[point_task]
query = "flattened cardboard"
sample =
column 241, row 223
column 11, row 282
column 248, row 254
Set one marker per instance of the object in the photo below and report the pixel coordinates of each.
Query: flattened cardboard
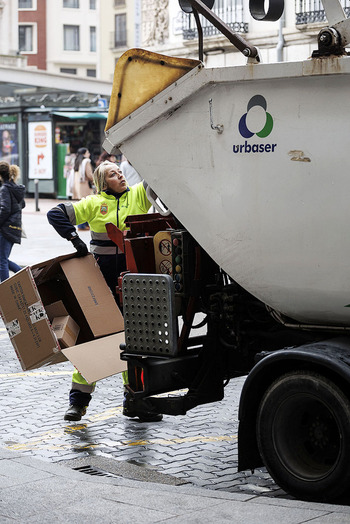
column 78, row 285
column 98, row 359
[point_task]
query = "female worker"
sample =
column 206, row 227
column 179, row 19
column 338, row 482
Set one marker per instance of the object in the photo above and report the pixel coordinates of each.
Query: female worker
column 113, row 202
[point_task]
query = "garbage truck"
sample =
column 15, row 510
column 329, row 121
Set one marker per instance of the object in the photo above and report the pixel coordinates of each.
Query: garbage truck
column 244, row 267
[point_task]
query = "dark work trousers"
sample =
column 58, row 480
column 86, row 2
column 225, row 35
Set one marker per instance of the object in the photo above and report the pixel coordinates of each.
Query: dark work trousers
column 111, row 266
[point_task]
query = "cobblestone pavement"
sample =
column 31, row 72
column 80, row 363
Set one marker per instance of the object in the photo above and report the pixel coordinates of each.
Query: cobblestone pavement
column 200, row 448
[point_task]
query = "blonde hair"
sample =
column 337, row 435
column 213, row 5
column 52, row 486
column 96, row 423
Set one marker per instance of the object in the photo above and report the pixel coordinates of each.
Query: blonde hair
column 9, row 172
column 14, row 172
column 100, row 175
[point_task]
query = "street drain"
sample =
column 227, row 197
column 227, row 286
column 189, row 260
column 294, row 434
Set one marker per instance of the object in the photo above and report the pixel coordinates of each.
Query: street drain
column 90, row 470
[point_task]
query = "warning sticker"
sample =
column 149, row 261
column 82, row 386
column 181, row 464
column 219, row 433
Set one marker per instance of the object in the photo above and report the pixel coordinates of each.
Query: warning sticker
column 166, row 267
column 13, row 328
column 36, row 312
column 165, row 247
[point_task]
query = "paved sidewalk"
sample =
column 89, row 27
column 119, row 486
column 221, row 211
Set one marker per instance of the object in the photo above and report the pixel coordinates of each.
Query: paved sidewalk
column 42, row 242
column 32, row 491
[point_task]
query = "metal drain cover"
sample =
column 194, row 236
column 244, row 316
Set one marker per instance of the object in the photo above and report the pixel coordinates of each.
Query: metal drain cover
column 95, row 472
column 149, row 315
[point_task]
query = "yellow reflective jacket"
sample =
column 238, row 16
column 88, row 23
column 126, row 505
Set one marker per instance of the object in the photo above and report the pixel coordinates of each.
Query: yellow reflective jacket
column 98, row 210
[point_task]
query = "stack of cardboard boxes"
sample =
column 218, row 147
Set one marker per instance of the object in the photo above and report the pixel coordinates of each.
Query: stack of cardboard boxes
column 63, row 309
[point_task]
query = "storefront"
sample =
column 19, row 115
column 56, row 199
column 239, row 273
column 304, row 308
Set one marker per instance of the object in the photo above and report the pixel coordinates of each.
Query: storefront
column 51, row 137
column 45, row 118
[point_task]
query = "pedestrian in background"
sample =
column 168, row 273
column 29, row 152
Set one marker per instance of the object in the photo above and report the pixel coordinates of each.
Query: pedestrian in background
column 82, row 174
column 83, row 179
column 106, row 156
column 68, row 173
column 11, row 205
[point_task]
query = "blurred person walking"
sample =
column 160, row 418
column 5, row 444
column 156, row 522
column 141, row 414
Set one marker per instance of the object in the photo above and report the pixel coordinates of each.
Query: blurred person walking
column 106, row 156
column 82, row 174
column 83, row 178
column 11, row 205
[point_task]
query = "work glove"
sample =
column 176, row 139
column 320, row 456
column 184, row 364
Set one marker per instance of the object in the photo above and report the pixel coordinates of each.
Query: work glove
column 80, row 246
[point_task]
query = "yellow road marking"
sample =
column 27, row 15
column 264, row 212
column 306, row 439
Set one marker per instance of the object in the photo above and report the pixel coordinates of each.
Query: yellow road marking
column 40, row 443
column 43, row 441
column 34, row 374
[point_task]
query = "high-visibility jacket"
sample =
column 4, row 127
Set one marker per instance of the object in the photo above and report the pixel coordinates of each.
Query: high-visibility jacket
column 98, row 210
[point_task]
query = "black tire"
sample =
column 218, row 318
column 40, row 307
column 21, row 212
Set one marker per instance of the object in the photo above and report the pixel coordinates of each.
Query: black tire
column 303, row 434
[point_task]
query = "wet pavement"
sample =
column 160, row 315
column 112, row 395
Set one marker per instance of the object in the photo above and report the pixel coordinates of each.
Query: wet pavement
column 199, row 448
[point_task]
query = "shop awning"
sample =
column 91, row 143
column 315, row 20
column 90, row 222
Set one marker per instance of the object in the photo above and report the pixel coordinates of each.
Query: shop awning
column 77, row 115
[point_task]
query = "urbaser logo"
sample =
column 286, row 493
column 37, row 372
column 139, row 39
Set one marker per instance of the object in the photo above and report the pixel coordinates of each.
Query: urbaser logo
column 267, row 126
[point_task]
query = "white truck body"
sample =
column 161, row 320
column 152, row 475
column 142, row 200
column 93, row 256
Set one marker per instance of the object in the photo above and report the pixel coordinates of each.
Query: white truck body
column 273, row 211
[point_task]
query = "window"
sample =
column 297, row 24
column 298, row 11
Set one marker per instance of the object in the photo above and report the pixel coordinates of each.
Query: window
column 120, row 30
column 25, row 4
column 232, row 12
column 119, row 3
column 68, row 70
column 92, row 38
column 71, row 3
column 91, row 72
column 71, row 38
column 312, row 11
column 92, row 4
column 25, row 38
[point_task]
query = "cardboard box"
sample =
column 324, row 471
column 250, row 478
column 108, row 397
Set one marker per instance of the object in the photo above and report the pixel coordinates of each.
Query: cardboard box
column 66, row 285
column 66, row 331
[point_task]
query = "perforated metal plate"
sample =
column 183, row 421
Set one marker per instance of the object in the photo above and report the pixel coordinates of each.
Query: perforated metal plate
column 149, row 315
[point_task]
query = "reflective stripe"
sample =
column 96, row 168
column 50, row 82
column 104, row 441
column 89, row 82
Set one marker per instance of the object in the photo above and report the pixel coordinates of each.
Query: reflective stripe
column 101, row 244
column 83, row 388
column 79, row 383
column 70, row 212
column 103, row 250
column 99, row 236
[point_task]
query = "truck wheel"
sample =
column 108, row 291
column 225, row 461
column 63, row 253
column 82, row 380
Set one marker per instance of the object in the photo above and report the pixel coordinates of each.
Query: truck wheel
column 303, row 434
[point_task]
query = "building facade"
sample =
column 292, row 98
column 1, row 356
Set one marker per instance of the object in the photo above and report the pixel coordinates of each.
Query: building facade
column 73, row 26
column 60, row 36
column 80, row 41
column 85, row 38
column 161, row 26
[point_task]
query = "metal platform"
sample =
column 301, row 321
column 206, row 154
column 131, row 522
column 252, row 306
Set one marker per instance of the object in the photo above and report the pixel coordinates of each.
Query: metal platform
column 149, row 315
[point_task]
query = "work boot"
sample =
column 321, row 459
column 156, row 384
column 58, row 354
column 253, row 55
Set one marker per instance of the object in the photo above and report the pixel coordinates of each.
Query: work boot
column 141, row 411
column 74, row 412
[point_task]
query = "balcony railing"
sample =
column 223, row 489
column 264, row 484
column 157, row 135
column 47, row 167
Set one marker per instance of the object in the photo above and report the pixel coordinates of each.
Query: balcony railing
column 116, row 42
column 311, row 11
column 13, row 60
column 229, row 11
